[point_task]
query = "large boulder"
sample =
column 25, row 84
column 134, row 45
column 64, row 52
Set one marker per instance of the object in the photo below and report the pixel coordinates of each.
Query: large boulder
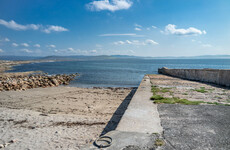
column 55, row 82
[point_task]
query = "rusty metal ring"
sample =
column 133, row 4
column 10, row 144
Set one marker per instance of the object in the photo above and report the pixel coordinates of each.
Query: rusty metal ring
column 106, row 139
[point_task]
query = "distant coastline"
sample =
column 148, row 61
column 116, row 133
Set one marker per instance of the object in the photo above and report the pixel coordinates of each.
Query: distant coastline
column 6, row 65
column 102, row 57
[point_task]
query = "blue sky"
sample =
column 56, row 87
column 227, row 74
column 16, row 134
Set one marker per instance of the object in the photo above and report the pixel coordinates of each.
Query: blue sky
column 111, row 27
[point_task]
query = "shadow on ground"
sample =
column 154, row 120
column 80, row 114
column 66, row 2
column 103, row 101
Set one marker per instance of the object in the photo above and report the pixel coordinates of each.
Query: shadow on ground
column 115, row 119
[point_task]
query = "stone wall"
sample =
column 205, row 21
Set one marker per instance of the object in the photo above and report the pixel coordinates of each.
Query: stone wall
column 216, row 76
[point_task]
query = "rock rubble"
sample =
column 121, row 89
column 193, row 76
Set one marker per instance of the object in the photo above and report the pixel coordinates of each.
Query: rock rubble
column 23, row 82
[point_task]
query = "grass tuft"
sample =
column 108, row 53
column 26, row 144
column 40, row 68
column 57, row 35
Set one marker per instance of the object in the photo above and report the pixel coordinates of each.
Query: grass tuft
column 157, row 97
column 215, row 103
column 176, row 100
column 201, row 90
column 159, row 142
column 156, row 89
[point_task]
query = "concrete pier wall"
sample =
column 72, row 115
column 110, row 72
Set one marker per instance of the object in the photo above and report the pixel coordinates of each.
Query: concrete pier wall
column 216, row 76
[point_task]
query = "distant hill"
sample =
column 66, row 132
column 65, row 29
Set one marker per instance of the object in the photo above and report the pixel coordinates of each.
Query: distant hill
column 197, row 57
column 18, row 58
column 214, row 56
column 104, row 57
column 80, row 57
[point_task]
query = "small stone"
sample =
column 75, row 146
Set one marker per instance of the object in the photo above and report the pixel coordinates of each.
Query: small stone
column 1, row 146
column 31, row 127
column 6, row 144
column 43, row 114
column 12, row 141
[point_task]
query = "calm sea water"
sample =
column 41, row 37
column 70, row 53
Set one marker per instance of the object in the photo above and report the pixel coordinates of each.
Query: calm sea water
column 118, row 72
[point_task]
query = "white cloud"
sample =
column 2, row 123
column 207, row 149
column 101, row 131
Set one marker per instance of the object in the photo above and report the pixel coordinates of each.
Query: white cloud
column 131, row 51
column 6, row 40
column 83, row 52
column 151, row 42
column 78, row 51
column 128, row 42
column 71, row 49
column 136, row 42
column 206, row 45
column 119, row 43
column 1, row 50
column 13, row 25
column 26, row 50
column 25, row 44
column 149, row 28
column 51, row 46
column 47, row 29
column 171, row 29
column 15, row 44
column 53, row 28
column 37, row 45
column 137, row 25
column 123, row 34
column 137, row 29
column 93, row 51
column 111, row 5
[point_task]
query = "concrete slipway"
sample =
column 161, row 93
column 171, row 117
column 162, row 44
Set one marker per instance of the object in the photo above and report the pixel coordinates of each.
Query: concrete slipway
column 140, row 125
column 186, row 127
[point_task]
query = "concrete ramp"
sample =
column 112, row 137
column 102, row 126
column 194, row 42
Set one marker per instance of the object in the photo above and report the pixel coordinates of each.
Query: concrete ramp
column 140, row 125
column 141, row 115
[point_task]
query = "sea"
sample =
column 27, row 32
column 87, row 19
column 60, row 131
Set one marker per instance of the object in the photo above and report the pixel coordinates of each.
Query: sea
column 117, row 72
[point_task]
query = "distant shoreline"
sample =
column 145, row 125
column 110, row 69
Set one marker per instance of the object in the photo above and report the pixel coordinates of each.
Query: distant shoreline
column 7, row 65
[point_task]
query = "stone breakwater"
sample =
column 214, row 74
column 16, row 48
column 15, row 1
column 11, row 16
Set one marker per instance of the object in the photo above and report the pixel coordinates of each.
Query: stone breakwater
column 23, row 82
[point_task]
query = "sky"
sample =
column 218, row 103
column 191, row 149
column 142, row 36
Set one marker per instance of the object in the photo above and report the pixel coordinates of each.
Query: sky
column 115, row 27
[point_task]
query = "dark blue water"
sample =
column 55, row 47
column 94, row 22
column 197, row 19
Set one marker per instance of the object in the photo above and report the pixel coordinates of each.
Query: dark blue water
column 118, row 72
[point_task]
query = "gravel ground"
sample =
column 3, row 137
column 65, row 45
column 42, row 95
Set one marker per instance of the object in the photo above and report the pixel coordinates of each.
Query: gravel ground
column 56, row 118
